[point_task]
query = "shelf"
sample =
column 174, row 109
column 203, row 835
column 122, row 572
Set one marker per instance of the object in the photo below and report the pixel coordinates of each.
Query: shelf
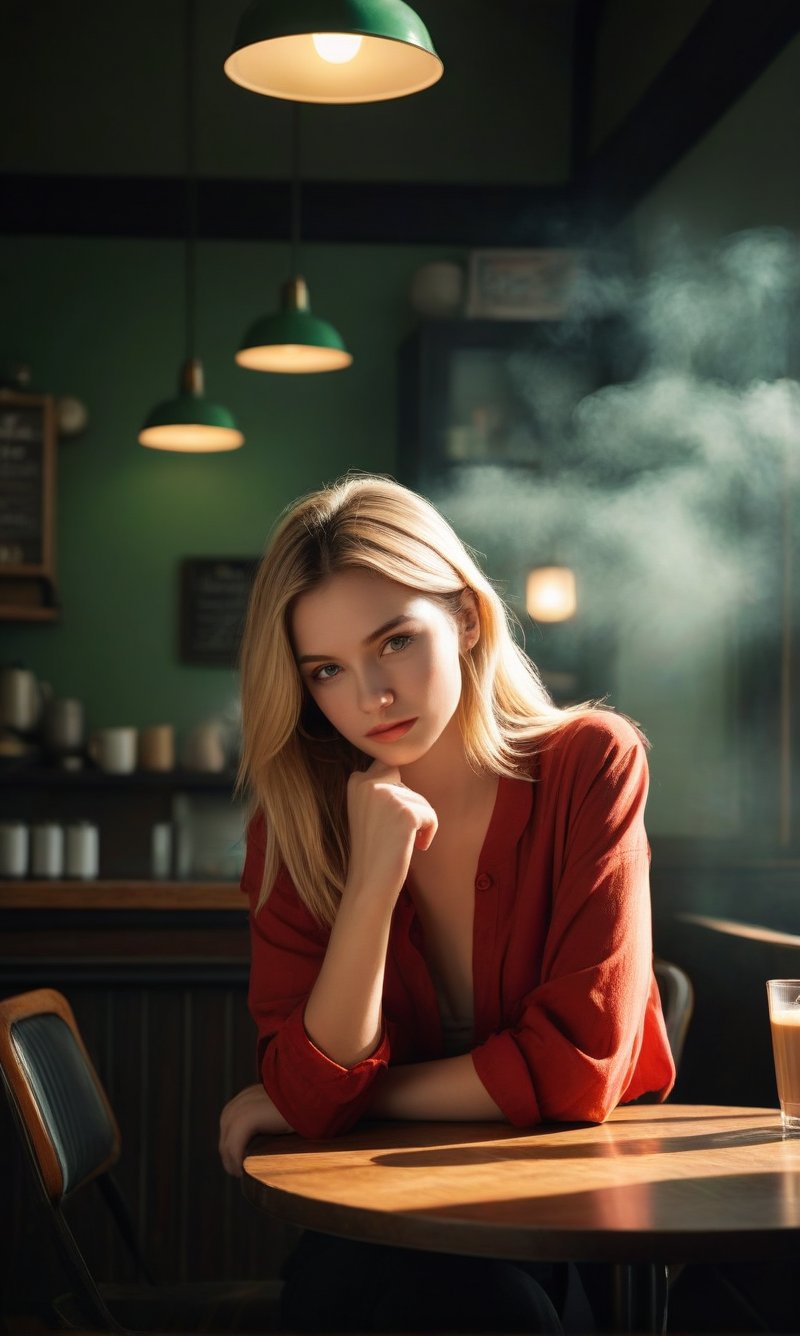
column 13, row 613
column 16, row 774
column 122, row 895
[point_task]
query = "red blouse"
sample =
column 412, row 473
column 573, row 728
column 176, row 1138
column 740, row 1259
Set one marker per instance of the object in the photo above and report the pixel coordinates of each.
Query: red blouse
column 567, row 1019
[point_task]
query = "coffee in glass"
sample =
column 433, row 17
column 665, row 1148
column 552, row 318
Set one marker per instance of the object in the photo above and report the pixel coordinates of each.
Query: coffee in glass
column 784, row 1016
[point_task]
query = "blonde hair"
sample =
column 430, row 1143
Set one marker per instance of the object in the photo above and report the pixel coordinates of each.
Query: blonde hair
column 294, row 765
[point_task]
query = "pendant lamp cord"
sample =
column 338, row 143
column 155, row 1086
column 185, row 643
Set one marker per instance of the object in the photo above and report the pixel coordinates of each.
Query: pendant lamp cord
column 295, row 233
column 191, row 180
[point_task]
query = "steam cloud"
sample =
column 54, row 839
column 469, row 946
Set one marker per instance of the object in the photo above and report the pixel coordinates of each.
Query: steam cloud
column 663, row 488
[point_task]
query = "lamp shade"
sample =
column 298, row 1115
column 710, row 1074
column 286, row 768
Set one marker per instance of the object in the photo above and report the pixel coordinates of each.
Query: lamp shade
column 550, row 594
column 298, row 50
column 190, row 422
column 293, row 340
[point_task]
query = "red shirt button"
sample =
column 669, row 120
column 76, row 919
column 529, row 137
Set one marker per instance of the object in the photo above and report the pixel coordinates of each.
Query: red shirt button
column 483, row 882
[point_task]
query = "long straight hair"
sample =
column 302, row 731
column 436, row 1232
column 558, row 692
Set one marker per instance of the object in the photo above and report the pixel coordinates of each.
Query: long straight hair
column 294, row 765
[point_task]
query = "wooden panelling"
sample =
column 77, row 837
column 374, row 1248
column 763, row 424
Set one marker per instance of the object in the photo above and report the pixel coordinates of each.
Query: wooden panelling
column 166, row 1023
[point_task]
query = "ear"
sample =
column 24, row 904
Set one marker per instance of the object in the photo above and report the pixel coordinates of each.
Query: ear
column 469, row 624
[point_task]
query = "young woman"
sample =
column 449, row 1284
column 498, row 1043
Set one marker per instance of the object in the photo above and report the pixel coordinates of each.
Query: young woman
column 448, row 875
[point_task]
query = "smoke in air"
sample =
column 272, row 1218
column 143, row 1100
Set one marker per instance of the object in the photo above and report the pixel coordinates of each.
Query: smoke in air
column 662, row 487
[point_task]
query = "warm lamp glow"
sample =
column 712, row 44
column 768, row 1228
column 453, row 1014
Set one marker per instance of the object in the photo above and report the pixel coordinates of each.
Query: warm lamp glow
column 331, row 51
column 337, row 47
column 293, row 358
column 190, row 422
column 190, row 437
column 550, row 595
column 292, row 340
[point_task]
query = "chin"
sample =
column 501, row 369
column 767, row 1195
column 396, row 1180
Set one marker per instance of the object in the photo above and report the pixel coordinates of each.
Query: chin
column 403, row 752
column 396, row 754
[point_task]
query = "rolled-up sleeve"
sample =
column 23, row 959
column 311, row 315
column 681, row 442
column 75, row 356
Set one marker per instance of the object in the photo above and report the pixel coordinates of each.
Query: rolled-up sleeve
column 316, row 1096
column 590, row 1034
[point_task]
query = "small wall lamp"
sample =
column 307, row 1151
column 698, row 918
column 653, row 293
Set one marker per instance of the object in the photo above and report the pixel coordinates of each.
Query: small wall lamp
column 550, row 594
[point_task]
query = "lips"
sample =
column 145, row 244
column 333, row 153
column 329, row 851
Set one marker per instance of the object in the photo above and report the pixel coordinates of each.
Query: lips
column 390, row 732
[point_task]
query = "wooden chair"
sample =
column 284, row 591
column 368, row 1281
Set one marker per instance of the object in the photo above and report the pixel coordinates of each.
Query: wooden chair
column 677, row 1003
column 69, row 1137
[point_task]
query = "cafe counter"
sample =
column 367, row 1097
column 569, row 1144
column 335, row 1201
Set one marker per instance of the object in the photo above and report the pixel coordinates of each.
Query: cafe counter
column 121, row 895
column 156, row 973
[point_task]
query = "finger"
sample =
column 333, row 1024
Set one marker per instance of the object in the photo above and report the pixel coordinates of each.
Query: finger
column 426, row 834
column 233, row 1155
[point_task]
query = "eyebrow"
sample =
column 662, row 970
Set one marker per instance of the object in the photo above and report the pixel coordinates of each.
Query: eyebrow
column 368, row 640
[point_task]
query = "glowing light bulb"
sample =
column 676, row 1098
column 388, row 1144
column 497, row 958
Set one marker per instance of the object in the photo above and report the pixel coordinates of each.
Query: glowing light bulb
column 551, row 594
column 336, row 47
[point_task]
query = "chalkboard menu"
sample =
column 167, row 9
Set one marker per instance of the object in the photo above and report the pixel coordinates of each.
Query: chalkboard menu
column 214, row 596
column 27, row 484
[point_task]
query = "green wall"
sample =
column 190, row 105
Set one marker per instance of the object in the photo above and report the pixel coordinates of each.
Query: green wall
column 102, row 320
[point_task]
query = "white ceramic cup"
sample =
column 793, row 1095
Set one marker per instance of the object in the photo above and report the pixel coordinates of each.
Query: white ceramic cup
column 47, row 851
column 20, row 699
column 82, row 860
column 14, row 849
column 114, row 750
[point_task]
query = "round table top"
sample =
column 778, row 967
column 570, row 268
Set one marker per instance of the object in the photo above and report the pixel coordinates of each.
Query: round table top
column 659, row 1183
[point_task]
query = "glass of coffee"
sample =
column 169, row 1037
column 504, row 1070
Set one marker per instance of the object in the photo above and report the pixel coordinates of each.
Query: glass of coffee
column 784, row 1018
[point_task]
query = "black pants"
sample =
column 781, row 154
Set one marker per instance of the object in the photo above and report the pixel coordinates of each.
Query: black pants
column 338, row 1285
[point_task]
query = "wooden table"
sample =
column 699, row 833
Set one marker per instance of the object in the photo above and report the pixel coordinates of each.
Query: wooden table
column 656, row 1184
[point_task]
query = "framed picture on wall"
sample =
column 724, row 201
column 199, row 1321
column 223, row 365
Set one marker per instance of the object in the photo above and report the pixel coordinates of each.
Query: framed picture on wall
column 520, row 284
column 215, row 592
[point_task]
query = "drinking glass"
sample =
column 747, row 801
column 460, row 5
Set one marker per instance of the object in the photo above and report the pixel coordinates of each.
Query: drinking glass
column 784, row 1017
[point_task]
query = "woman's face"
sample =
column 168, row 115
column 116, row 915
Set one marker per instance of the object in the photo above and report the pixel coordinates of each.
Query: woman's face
column 381, row 661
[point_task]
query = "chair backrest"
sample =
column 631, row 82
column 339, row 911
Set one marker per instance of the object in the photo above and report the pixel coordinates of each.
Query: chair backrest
column 71, row 1129
column 677, row 1003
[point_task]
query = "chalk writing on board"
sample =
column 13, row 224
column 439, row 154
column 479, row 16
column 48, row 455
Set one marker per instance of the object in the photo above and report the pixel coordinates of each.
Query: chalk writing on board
column 214, row 596
column 25, row 480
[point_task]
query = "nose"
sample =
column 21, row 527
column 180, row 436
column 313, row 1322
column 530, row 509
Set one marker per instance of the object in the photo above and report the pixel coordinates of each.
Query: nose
column 374, row 695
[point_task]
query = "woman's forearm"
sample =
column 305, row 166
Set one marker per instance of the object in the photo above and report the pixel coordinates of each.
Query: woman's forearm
column 343, row 1014
column 449, row 1088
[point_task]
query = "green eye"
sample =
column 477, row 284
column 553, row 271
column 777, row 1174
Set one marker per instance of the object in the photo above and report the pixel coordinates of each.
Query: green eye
column 398, row 643
column 325, row 672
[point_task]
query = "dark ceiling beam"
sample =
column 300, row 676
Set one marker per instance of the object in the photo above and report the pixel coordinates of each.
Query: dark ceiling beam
column 729, row 47
column 368, row 213
column 586, row 22
column 725, row 52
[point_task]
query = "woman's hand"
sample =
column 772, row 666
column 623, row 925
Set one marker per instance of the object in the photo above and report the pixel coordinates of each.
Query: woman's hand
column 246, row 1115
column 387, row 822
column 343, row 1015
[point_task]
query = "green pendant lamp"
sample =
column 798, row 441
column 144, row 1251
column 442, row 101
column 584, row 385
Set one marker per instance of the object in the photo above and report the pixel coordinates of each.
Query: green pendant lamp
column 292, row 340
column 332, row 50
column 190, row 422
